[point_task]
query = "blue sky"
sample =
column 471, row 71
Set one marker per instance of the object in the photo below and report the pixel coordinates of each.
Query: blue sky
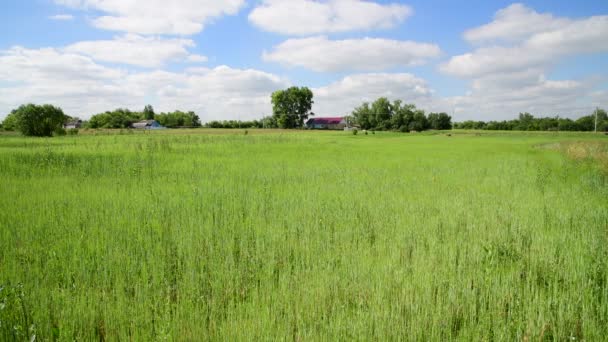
column 222, row 59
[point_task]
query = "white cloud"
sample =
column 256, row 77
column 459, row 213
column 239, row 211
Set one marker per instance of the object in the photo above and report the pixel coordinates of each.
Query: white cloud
column 62, row 17
column 82, row 87
column 135, row 50
column 177, row 17
column 367, row 54
column 341, row 97
column 515, row 51
column 541, row 45
column 303, row 17
column 514, row 23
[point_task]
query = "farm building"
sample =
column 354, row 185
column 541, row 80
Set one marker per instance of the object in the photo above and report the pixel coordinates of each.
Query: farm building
column 147, row 124
column 326, row 123
column 73, row 124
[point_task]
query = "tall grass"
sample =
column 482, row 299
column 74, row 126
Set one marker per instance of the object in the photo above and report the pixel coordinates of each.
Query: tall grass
column 322, row 236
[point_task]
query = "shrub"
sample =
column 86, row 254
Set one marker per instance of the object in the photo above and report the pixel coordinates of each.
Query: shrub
column 59, row 131
column 355, row 131
column 73, row 131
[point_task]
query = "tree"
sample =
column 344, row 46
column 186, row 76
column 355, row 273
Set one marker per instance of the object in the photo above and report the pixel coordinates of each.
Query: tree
column 403, row 115
column 10, row 122
column 148, row 112
column 178, row 119
column 439, row 121
column 291, row 107
column 419, row 122
column 39, row 121
column 362, row 115
column 382, row 111
column 119, row 118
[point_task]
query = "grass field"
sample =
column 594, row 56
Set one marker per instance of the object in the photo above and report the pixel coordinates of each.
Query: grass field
column 218, row 235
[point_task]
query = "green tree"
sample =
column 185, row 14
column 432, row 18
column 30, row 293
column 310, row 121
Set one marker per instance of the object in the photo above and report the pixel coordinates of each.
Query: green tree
column 119, row 118
column 39, row 121
column 362, row 115
column 439, row 121
column 148, row 112
column 10, row 122
column 291, row 107
column 403, row 115
column 382, row 112
column 419, row 122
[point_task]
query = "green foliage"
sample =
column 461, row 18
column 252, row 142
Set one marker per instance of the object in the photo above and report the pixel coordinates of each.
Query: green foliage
column 35, row 120
column 73, row 131
column 234, row 124
column 148, row 113
column 10, row 122
column 383, row 115
column 317, row 236
column 291, row 107
column 527, row 122
column 178, row 119
column 119, row 118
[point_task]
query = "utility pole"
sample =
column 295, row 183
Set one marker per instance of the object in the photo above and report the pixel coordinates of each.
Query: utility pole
column 596, row 109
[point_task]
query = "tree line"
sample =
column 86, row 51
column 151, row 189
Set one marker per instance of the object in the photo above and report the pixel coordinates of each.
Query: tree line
column 527, row 122
column 48, row 120
column 124, row 118
column 383, row 115
column 290, row 109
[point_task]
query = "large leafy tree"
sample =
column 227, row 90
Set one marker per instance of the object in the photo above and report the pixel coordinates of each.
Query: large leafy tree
column 178, row 119
column 39, row 121
column 439, row 121
column 291, row 107
column 119, row 118
column 148, row 112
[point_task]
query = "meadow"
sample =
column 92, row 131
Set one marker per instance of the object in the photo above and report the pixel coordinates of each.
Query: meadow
column 221, row 235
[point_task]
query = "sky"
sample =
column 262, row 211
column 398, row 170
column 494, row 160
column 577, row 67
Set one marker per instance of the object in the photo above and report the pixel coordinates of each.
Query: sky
column 476, row 60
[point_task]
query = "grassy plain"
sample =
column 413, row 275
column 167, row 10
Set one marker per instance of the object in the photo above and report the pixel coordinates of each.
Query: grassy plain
column 217, row 235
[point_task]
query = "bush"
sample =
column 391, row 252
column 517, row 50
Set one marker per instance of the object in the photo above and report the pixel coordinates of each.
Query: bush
column 73, row 131
column 39, row 121
column 59, row 131
column 355, row 131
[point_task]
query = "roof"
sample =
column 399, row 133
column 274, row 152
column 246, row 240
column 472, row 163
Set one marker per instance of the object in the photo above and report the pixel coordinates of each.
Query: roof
column 326, row 121
column 146, row 122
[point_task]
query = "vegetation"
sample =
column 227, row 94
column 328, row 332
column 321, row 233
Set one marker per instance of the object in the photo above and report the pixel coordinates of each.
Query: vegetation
column 235, row 124
column 124, row 118
column 184, row 235
column 34, row 120
column 382, row 115
column 527, row 122
column 291, row 107
column 178, row 119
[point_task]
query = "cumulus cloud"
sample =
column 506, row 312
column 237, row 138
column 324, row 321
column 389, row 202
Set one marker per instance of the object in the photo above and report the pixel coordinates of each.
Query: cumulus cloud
column 514, row 23
column 537, row 46
column 304, row 17
column 367, row 54
column 176, row 17
column 512, row 57
column 341, row 97
column 82, row 87
column 135, row 50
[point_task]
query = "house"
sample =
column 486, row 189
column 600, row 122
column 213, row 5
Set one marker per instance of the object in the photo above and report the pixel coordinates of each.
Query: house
column 74, row 124
column 147, row 124
column 326, row 123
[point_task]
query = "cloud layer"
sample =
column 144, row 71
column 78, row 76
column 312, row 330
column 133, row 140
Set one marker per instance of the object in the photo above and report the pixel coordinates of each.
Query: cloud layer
column 137, row 50
column 306, row 17
column 368, row 54
column 175, row 17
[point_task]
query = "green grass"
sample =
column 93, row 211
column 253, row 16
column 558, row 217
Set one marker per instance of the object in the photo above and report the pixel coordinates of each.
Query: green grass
column 194, row 235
